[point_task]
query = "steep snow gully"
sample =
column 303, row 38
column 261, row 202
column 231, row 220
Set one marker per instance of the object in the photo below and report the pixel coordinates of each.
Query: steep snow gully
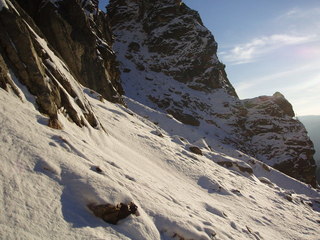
column 131, row 158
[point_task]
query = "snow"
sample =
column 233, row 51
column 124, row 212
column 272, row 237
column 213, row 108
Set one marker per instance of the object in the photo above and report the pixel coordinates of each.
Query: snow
column 47, row 177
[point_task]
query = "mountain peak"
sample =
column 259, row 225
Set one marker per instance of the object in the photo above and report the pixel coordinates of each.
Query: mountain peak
column 178, row 44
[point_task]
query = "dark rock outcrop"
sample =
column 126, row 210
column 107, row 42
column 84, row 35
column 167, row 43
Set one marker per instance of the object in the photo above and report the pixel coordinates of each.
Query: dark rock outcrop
column 195, row 150
column 80, row 33
column 29, row 58
column 113, row 213
column 172, row 29
column 278, row 139
column 51, row 48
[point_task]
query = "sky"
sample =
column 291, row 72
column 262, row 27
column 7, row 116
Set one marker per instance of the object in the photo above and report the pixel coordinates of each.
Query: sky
column 268, row 46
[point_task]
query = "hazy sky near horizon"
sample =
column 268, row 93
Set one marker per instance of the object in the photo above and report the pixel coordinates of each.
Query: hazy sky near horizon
column 268, row 46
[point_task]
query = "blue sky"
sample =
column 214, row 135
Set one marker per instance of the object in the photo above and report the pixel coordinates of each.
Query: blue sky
column 268, row 46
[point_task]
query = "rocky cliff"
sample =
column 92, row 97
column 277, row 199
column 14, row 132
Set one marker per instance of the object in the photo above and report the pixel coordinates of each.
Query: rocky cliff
column 278, row 139
column 52, row 47
column 80, row 33
column 168, row 61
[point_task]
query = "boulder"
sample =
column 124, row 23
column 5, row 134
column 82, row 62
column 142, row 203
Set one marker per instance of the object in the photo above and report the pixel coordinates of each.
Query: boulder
column 113, row 213
column 195, row 150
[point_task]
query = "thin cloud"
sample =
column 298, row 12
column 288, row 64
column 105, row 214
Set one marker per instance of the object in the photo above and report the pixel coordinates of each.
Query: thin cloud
column 249, row 84
column 251, row 51
column 297, row 13
column 304, row 96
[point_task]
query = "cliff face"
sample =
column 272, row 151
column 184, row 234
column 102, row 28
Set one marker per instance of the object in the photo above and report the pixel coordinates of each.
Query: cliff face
column 80, row 33
column 168, row 61
column 178, row 43
column 51, row 47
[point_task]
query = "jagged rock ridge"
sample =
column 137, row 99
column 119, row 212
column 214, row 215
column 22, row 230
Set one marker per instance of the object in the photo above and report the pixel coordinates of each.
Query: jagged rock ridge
column 178, row 43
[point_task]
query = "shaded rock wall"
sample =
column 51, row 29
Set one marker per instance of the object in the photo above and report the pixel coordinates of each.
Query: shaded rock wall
column 80, row 33
column 27, row 57
column 49, row 46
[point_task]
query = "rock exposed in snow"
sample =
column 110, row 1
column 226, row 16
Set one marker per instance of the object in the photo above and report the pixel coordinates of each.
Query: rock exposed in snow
column 113, row 213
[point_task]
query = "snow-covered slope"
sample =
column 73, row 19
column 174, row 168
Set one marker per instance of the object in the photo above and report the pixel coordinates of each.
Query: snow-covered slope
column 49, row 176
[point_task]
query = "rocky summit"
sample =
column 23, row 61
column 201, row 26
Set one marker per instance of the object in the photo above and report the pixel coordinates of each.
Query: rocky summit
column 128, row 118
